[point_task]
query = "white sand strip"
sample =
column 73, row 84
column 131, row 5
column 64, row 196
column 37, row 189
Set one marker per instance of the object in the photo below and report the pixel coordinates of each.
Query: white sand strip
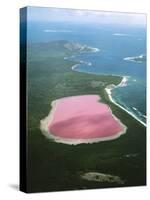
column 108, row 90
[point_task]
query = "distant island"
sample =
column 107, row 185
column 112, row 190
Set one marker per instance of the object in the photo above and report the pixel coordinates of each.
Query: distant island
column 72, row 46
column 66, row 46
column 141, row 58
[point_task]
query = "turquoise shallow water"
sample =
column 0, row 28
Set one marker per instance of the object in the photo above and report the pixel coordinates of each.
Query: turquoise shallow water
column 131, row 41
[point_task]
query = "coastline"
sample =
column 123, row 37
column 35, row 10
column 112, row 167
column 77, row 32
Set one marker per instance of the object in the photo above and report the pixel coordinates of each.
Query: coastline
column 111, row 87
column 108, row 90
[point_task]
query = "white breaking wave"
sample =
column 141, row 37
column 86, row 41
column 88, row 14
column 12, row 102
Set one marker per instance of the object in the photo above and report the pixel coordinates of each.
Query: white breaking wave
column 134, row 108
column 75, row 66
column 139, row 113
column 123, row 82
column 56, row 31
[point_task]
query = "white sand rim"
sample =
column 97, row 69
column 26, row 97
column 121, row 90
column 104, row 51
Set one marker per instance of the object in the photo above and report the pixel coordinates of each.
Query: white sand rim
column 44, row 123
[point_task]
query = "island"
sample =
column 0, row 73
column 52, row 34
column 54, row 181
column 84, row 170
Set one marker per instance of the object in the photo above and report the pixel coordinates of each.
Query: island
column 139, row 59
column 60, row 166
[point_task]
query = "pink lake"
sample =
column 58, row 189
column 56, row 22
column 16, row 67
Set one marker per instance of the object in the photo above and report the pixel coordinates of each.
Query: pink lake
column 83, row 117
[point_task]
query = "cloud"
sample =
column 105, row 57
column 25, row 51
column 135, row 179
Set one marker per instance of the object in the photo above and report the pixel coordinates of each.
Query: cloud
column 85, row 16
column 57, row 31
column 121, row 34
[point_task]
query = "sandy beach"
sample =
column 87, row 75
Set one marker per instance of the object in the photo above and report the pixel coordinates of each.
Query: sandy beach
column 109, row 88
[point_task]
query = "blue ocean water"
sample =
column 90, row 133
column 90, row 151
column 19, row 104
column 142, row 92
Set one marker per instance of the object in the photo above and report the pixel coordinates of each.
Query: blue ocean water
column 115, row 42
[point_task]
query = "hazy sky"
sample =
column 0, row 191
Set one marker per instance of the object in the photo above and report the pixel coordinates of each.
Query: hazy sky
column 85, row 16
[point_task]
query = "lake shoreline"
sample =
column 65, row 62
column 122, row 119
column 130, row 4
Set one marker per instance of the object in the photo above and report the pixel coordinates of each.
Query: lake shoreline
column 44, row 124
